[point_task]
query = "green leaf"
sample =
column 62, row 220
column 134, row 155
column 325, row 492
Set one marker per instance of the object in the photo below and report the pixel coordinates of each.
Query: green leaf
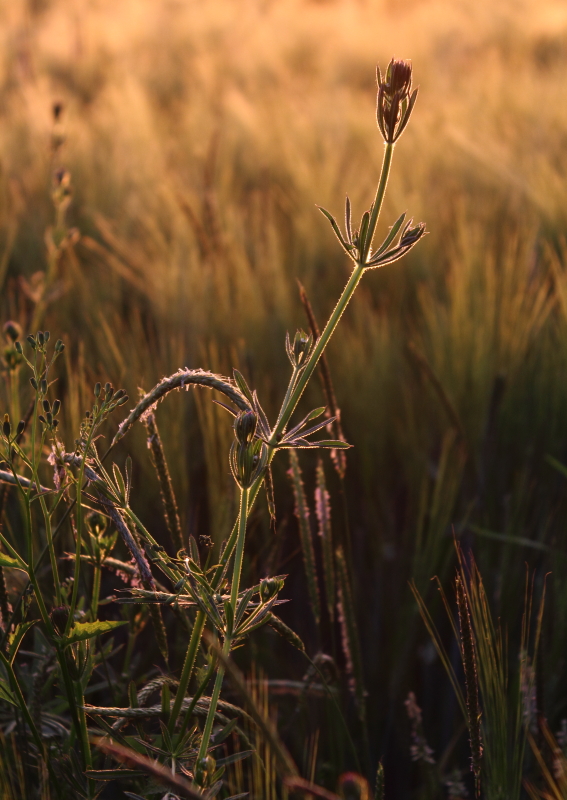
column 346, row 246
column 87, row 630
column 6, row 694
column 17, row 637
column 8, row 561
column 243, row 386
column 232, row 759
column 391, row 236
column 332, row 443
column 315, row 413
column 557, row 465
column 113, row 774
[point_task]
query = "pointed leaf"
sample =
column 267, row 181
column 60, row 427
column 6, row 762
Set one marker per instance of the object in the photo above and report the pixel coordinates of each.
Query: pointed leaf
column 112, row 774
column 232, row 759
column 346, row 246
column 87, row 630
column 17, row 637
column 363, row 230
column 331, row 443
column 128, row 472
column 8, row 561
column 391, row 235
column 348, row 226
column 6, row 693
column 119, row 482
column 242, row 385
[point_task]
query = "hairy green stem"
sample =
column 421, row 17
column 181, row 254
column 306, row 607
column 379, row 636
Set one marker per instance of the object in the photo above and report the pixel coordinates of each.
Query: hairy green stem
column 187, row 670
column 209, row 722
column 235, row 586
column 378, row 200
column 239, row 555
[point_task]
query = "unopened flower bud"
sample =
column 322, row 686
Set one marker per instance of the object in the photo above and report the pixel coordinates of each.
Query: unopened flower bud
column 59, row 616
column 395, row 100
column 245, row 426
column 412, row 235
column 301, row 344
column 204, row 770
column 21, row 427
column 12, row 330
column 6, row 426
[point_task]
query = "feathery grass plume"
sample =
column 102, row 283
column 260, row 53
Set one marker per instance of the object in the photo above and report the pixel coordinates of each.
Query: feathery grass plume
column 323, row 514
column 159, row 460
column 338, row 456
column 379, row 784
column 286, row 632
column 468, row 653
column 420, row 749
column 349, row 633
column 302, row 514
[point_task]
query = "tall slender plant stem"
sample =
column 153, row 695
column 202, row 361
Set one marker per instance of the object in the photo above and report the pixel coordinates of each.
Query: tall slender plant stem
column 242, row 519
column 187, row 670
column 293, row 395
column 235, row 586
column 344, row 299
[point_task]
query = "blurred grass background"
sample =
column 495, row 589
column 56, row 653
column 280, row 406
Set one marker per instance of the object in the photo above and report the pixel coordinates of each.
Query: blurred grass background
column 199, row 137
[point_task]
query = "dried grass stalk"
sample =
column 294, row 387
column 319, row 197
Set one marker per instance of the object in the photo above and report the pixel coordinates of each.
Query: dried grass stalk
column 349, row 633
column 302, row 514
column 323, row 513
column 471, row 680
column 171, row 512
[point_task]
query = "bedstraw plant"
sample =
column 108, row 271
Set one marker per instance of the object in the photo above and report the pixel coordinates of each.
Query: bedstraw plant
column 73, row 748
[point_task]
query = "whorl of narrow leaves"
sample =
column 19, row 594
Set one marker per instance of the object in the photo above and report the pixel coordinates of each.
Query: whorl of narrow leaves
column 323, row 513
column 471, row 680
column 349, row 633
column 338, row 456
column 302, row 514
